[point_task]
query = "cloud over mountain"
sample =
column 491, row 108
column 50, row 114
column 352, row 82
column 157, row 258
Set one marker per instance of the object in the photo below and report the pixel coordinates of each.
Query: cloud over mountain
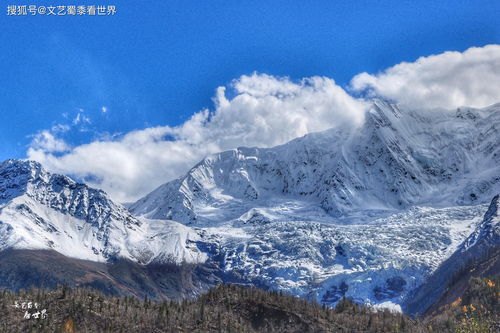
column 264, row 110
column 447, row 80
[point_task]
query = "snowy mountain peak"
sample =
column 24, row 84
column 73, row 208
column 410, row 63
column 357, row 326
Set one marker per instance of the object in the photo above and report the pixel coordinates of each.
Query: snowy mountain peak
column 365, row 213
column 58, row 192
column 384, row 113
column 397, row 159
column 16, row 175
column 42, row 210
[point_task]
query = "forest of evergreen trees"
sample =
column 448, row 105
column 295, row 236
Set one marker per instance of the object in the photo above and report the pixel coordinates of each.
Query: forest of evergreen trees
column 236, row 309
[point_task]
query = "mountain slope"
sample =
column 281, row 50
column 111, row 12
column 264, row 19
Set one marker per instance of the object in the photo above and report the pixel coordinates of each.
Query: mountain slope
column 26, row 269
column 235, row 309
column 223, row 309
column 477, row 256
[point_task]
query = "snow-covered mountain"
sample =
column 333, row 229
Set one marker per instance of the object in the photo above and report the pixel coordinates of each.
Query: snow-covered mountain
column 40, row 210
column 366, row 212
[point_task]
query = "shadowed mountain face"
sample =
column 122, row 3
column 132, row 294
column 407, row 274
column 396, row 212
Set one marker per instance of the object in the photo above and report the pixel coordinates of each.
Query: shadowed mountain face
column 486, row 267
column 23, row 269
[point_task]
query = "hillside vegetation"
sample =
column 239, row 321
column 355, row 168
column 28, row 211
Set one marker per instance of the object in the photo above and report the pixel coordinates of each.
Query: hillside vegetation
column 231, row 308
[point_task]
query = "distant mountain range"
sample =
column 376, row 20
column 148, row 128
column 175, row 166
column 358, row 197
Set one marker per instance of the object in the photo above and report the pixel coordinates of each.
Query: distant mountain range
column 382, row 214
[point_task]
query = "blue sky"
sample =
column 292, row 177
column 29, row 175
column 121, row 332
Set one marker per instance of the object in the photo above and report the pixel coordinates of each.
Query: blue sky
column 156, row 63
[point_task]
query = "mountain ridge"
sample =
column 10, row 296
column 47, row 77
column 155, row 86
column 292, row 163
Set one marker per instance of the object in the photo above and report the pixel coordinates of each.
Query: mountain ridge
column 393, row 161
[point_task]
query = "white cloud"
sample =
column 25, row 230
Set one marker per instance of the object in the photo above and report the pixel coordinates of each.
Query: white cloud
column 81, row 118
column 60, row 128
column 47, row 142
column 447, row 80
column 265, row 111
